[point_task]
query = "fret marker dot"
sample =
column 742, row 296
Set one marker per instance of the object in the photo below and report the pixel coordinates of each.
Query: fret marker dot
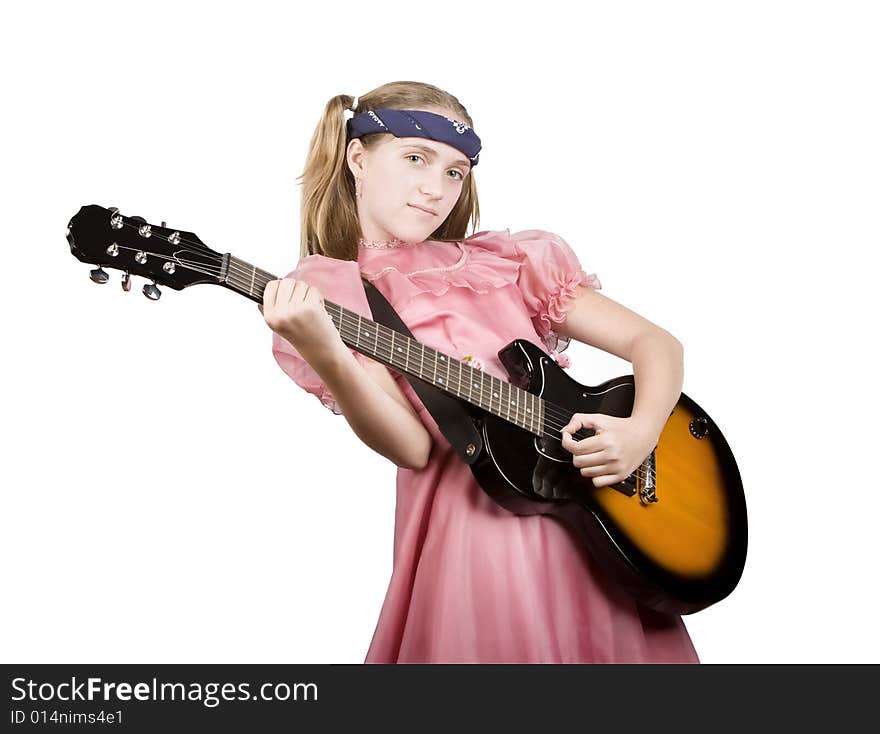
column 495, row 394
column 442, row 358
column 439, row 379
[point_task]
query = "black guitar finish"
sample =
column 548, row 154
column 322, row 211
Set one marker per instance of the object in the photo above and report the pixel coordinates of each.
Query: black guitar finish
column 528, row 474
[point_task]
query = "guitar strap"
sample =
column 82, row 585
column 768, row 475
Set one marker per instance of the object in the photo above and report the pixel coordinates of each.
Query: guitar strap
column 450, row 415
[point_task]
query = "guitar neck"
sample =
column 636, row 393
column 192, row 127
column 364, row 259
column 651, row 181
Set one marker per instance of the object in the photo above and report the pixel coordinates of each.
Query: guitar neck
column 406, row 355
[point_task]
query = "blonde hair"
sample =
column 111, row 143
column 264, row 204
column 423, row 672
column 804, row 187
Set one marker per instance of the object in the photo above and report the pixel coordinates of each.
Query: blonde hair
column 329, row 220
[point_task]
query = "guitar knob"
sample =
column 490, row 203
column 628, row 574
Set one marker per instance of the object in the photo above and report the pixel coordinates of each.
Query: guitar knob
column 126, row 281
column 151, row 291
column 99, row 275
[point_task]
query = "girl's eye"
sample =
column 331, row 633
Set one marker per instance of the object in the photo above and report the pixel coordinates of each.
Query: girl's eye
column 460, row 174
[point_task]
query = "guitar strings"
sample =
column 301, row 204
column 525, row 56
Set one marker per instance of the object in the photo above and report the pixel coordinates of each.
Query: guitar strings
column 552, row 410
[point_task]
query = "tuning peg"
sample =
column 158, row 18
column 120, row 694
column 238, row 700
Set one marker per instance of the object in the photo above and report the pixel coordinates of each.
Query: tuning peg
column 126, row 281
column 99, row 275
column 151, row 291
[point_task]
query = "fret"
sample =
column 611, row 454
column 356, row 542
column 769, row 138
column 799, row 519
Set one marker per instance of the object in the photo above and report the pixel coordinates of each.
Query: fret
column 346, row 330
column 356, row 325
column 357, row 335
column 476, row 379
column 335, row 312
column 336, row 318
column 439, row 359
column 384, row 345
column 422, row 361
column 257, row 282
column 355, row 328
column 233, row 274
column 400, row 348
column 378, row 340
column 397, row 349
column 514, row 404
column 342, row 328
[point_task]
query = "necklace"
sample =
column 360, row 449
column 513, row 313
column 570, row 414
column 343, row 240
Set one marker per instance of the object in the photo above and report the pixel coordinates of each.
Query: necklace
column 384, row 244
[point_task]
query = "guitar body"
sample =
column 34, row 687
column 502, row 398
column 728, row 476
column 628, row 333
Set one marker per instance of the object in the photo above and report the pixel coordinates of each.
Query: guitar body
column 679, row 553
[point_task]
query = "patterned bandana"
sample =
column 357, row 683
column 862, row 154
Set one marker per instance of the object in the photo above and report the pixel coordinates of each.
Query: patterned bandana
column 417, row 124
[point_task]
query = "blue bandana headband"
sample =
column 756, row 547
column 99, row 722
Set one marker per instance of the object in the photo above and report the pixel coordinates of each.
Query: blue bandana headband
column 417, row 124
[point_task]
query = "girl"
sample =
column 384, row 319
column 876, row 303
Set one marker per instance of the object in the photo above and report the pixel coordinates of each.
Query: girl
column 388, row 192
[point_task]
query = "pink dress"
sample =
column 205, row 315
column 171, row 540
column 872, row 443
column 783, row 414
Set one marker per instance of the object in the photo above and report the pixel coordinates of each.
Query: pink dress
column 472, row 582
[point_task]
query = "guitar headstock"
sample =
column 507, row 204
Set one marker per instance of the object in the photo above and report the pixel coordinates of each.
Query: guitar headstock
column 106, row 238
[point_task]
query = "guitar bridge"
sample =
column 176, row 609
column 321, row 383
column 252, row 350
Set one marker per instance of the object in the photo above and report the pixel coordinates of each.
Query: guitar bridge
column 647, row 480
column 642, row 482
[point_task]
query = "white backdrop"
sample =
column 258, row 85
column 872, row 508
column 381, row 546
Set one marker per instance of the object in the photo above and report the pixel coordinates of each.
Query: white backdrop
column 169, row 495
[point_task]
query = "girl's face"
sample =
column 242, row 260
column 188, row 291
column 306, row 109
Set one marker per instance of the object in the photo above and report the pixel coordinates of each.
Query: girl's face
column 403, row 177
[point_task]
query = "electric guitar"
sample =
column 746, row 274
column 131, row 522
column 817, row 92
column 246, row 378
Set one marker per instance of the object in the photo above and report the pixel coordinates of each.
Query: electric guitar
column 673, row 534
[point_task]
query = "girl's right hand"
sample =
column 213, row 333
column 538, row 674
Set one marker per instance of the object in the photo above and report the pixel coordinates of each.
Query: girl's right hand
column 295, row 310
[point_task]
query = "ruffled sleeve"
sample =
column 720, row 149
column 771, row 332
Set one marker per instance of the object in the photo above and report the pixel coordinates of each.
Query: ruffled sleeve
column 548, row 277
column 339, row 282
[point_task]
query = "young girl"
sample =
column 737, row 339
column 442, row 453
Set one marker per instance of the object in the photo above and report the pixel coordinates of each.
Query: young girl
column 388, row 192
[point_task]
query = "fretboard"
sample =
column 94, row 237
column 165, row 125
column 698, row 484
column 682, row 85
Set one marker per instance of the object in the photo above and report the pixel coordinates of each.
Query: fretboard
column 406, row 355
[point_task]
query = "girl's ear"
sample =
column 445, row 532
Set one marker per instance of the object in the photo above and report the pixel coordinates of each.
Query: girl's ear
column 355, row 155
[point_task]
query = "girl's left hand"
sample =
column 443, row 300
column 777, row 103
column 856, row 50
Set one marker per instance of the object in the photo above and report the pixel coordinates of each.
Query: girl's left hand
column 619, row 446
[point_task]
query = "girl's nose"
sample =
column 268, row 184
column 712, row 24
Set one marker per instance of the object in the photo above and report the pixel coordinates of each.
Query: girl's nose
column 432, row 186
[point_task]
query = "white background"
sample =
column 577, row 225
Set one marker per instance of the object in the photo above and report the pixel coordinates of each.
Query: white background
column 169, row 495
